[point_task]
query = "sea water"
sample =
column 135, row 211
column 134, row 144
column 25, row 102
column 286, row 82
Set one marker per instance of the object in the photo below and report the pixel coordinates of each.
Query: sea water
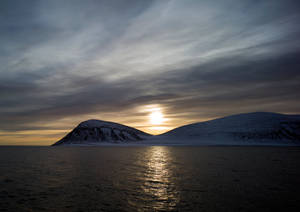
column 154, row 178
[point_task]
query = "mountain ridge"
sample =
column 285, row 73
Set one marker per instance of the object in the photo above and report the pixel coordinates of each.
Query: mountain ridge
column 255, row 127
column 261, row 126
column 97, row 131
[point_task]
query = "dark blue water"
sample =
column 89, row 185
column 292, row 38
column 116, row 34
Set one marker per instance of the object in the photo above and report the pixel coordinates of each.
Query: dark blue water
column 149, row 178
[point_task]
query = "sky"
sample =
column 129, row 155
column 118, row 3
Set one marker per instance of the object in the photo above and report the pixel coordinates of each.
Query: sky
column 153, row 65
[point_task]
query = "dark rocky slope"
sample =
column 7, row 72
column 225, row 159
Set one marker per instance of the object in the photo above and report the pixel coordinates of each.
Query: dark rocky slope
column 97, row 131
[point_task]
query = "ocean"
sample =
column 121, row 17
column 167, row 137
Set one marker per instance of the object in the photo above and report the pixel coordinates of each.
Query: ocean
column 149, row 178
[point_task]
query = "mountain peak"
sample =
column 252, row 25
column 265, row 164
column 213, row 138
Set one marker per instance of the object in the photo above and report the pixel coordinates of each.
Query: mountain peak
column 256, row 126
column 98, row 131
column 241, row 129
column 99, row 123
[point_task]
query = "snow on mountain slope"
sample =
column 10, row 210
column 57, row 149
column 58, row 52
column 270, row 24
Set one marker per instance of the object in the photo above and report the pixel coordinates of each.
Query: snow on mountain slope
column 258, row 127
column 97, row 131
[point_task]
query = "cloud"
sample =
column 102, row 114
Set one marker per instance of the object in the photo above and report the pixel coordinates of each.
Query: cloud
column 64, row 61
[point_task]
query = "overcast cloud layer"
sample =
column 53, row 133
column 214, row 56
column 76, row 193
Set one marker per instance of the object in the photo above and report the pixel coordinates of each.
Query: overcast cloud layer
column 65, row 61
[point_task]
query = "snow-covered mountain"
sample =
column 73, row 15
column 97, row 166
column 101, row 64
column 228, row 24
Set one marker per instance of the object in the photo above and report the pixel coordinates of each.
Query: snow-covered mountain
column 248, row 128
column 260, row 128
column 97, row 131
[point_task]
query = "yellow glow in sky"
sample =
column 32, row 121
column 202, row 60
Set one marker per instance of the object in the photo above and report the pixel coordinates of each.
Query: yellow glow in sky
column 152, row 118
column 156, row 118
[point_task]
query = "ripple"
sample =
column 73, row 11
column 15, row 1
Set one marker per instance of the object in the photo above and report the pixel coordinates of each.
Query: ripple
column 158, row 181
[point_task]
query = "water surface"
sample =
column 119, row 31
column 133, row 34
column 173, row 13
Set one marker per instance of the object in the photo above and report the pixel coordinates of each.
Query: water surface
column 156, row 178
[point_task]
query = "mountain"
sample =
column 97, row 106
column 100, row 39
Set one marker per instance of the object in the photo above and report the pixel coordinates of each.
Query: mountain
column 259, row 128
column 248, row 128
column 97, row 131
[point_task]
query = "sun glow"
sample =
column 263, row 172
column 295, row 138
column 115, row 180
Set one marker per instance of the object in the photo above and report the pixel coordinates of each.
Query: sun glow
column 156, row 117
column 157, row 120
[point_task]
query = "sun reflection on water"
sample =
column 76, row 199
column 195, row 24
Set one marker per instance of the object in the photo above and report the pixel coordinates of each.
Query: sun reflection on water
column 158, row 180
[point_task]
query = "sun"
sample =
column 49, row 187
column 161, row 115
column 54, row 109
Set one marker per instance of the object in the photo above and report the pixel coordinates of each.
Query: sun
column 156, row 117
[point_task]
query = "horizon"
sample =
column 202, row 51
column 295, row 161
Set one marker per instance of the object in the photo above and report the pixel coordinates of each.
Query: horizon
column 152, row 65
column 69, row 130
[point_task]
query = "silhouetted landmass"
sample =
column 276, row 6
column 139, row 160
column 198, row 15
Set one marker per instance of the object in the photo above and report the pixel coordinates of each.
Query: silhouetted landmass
column 97, row 131
column 241, row 129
